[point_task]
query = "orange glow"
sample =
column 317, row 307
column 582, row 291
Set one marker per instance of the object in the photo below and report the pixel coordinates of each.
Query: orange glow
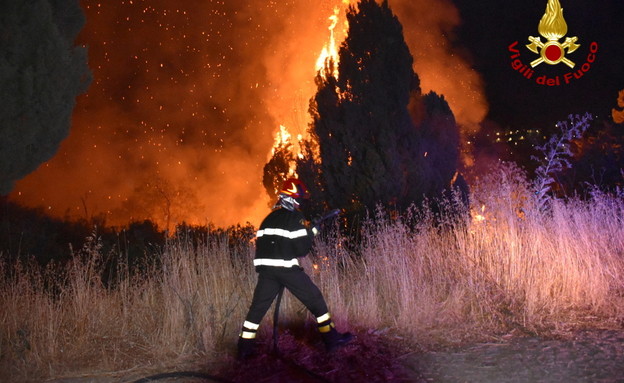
column 186, row 100
column 618, row 113
column 425, row 23
column 328, row 53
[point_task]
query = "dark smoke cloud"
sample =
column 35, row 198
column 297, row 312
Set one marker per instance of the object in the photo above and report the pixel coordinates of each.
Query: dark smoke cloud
column 187, row 97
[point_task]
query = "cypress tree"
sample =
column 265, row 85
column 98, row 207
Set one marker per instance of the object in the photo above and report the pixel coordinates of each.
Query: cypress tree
column 375, row 138
column 365, row 134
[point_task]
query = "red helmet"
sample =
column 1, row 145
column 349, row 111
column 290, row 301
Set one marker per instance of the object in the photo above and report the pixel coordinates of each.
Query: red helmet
column 295, row 188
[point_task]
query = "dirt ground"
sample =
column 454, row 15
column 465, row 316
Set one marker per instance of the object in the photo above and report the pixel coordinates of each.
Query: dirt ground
column 585, row 356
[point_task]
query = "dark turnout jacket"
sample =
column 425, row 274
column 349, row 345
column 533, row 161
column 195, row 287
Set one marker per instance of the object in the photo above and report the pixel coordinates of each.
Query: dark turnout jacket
column 281, row 239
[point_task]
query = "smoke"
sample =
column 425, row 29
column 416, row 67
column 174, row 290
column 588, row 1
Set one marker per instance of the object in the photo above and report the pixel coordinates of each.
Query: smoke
column 187, row 97
column 428, row 27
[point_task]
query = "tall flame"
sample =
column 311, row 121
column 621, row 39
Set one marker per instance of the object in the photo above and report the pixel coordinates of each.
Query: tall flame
column 185, row 119
column 328, row 53
column 282, row 139
column 553, row 26
column 330, row 49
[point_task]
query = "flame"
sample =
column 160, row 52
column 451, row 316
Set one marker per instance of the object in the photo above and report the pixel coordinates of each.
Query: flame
column 283, row 142
column 552, row 26
column 618, row 114
column 329, row 53
column 282, row 139
column 479, row 216
column 181, row 118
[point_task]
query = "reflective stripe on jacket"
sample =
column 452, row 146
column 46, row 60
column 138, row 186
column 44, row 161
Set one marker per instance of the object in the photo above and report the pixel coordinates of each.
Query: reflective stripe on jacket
column 281, row 239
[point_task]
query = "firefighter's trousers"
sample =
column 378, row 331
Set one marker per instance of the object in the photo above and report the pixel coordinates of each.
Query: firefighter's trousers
column 271, row 279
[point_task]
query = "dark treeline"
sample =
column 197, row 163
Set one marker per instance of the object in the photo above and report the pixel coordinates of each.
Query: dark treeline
column 32, row 237
column 598, row 161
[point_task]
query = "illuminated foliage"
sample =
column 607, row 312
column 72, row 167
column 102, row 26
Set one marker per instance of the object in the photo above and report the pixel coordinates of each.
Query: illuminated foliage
column 555, row 156
column 41, row 73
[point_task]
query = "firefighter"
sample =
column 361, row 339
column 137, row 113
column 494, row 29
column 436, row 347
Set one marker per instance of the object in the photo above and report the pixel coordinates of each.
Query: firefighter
column 281, row 239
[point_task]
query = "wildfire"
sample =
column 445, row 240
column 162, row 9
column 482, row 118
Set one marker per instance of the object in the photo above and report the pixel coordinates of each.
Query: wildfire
column 283, row 141
column 180, row 122
column 329, row 53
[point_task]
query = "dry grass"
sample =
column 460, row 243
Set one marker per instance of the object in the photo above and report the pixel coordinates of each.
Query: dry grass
column 516, row 269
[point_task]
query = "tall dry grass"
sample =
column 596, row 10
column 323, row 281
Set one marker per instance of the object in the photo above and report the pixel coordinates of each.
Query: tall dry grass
column 513, row 267
column 187, row 307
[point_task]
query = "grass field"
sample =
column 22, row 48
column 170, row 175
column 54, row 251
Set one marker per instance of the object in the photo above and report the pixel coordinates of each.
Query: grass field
column 507, row 267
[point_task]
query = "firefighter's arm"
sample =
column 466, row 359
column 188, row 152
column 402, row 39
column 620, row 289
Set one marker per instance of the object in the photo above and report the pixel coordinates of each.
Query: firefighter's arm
column 317, row 222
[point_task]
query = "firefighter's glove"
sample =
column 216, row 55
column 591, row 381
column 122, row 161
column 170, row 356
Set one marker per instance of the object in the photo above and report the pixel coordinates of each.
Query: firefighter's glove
column 315, row 226
column 317, row 222
column 315, row 230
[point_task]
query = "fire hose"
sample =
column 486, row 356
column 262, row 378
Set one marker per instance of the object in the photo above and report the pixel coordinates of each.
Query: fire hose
column 329, row 215
column 192, row 374
column 316, row 222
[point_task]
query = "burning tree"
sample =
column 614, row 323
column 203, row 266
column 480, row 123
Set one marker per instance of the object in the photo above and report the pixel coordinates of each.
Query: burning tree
column 379, row 139
column 618, row 113
column 279, row 167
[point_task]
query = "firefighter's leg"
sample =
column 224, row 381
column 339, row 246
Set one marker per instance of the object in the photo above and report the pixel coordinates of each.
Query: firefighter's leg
column 264, row 294
column 302, row 287
column 331, row 337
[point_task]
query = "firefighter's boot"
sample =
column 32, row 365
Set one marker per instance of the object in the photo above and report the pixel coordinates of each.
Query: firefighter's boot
column 333, row 339
column 246, row 349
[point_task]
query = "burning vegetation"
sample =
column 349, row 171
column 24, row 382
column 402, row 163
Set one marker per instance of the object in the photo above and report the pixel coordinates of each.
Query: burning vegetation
column 379, row 139
column 185, row 101
column 174, row 142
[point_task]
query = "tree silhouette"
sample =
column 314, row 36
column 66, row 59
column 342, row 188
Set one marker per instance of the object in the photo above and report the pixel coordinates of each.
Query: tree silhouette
column 41, row 73
column 360, row 119
column 308, row 167
column 380, row 140
column 374, row 137
column 438, row 137
column 597, row 160
column 159, row 201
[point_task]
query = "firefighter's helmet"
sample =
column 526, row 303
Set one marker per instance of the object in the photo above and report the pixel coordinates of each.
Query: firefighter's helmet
column 295, row 188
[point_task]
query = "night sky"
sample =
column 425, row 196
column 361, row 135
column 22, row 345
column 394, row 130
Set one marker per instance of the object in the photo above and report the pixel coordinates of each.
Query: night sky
column 187, row 96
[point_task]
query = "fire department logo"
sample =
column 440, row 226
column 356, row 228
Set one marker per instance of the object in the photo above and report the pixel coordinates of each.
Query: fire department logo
column 552, row 27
